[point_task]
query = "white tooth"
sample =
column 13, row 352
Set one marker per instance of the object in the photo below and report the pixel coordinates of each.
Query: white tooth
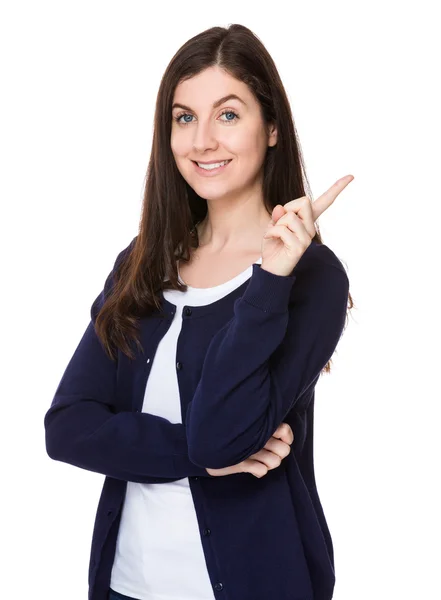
column 212, row 166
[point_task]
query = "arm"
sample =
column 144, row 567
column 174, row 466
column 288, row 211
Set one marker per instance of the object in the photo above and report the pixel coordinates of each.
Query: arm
column 83, row 429
column 258, row 366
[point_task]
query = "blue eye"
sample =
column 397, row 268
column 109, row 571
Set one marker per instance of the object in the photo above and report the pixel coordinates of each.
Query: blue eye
column 225, row 112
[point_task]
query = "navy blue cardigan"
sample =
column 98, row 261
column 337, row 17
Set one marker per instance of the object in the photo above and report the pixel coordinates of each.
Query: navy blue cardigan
column 245, row 363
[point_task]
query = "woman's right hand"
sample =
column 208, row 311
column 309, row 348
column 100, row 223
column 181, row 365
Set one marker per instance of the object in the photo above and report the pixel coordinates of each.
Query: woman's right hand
column 270, row 457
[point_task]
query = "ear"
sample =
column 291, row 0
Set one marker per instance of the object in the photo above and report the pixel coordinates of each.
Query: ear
column 272, row 135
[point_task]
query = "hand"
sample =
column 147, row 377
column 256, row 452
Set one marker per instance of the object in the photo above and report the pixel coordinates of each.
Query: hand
column 270, row 457
column 292, row 228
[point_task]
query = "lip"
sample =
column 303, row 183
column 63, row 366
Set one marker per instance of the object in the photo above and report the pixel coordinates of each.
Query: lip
column 211, row 172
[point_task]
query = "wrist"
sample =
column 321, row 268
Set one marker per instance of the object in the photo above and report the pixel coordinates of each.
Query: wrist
column 273, row 272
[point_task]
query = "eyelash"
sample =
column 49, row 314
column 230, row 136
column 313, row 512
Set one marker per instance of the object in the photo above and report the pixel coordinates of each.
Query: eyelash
column 178, row 117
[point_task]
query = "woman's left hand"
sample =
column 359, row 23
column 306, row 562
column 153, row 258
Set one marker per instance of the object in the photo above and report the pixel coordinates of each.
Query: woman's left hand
column 292, row 229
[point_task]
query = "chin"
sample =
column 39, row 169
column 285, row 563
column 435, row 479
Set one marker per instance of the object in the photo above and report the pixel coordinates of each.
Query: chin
column 213, row 187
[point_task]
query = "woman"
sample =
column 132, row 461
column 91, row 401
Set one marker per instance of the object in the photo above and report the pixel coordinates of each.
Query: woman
column 198, row 367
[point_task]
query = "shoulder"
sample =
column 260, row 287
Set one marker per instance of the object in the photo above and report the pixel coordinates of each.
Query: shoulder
column 320, row 271
column 124, row 252
column 118, row 262
column 110, row 281
column 319, row 256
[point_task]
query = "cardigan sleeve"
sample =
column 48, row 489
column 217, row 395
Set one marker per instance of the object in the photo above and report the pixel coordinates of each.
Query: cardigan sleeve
column 83, row 429
column 263, row 360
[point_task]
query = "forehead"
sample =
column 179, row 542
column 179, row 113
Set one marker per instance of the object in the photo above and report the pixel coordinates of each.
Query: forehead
column 207, row 87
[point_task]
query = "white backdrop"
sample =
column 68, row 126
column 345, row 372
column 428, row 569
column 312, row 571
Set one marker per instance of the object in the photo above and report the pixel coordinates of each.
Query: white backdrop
column 79, row 86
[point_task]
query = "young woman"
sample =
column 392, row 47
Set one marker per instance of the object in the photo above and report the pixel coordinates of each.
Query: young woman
column 197, row 370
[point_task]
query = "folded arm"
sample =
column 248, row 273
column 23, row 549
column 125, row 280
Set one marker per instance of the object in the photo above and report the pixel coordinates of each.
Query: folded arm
column 263, row 360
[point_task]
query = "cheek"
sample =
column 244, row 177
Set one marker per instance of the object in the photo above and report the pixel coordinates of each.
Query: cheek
column 248, row 145
column 178, row 145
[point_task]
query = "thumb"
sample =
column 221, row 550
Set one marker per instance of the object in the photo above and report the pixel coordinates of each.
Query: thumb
column 277, row 213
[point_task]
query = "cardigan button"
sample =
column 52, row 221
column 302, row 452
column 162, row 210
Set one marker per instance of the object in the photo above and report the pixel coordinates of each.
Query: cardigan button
column 187, row 311
column 218, row 586
column 207, row 531
column 179, row 365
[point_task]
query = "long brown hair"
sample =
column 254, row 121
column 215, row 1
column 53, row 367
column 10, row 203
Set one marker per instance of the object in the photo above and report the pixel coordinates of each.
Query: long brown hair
column 171, row 208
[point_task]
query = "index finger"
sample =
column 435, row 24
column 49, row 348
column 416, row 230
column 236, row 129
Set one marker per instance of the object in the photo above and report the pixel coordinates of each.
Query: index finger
column 325, row 200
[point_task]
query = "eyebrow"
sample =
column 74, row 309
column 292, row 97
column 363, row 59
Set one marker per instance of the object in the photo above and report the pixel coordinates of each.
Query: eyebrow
column 215, row 104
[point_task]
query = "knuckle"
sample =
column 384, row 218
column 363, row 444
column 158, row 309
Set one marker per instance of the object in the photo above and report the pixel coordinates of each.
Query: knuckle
column 261, row 471
column 245, row 465
column 275, row 461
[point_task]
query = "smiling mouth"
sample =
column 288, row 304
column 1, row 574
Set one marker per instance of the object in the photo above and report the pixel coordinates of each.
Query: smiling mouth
column 210, row 171
column 212, row 163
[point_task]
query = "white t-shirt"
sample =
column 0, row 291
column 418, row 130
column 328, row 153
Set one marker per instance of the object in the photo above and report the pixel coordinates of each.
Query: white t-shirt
column 159, row 553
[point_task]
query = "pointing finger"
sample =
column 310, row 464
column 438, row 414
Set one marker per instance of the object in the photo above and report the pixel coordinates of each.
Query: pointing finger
column 325, row 200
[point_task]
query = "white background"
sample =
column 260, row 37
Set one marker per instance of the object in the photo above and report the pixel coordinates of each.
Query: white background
column 79, row 83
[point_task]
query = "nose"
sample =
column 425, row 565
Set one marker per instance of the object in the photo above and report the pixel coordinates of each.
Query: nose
column 204, row 138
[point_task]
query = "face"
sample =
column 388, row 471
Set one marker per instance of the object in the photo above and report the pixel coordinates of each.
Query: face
column 207, row 130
